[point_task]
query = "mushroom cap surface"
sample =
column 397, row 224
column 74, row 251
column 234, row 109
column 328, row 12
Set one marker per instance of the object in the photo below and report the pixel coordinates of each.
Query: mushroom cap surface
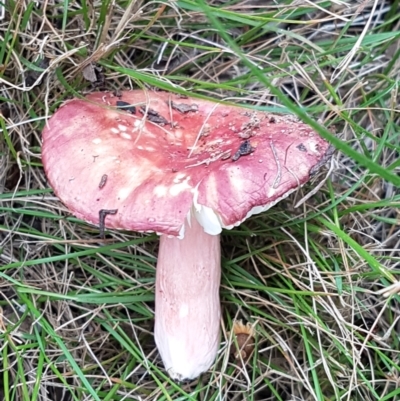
column 156, row 156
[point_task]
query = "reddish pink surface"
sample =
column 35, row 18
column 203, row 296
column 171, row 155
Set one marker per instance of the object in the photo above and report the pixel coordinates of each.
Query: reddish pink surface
column 151, row 176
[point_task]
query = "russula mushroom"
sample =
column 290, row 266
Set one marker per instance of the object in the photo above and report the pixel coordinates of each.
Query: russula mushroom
column 184, row 168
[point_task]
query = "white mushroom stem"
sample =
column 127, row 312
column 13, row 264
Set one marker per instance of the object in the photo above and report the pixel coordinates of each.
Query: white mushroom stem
column 187, row 317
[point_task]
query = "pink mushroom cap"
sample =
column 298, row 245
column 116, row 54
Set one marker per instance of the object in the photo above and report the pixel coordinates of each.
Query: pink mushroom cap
column 156, row 157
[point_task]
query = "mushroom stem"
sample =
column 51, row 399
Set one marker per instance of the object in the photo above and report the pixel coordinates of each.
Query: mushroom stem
column 187, row 316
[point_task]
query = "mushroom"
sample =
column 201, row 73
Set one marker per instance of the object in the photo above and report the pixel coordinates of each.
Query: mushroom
column 184, row 168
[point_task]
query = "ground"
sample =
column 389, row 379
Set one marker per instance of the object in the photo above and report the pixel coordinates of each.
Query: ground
column 317, row 282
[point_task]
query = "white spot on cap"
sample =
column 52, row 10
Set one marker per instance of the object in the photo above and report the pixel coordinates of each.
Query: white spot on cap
column 178, row 188
column 123, row 193
column 313, row 147
column 179, row 177
column 122, row 127
column 160, row 191
column 125, row 135
column 178, row 133
column 115, row 130
column 97, row 141
column 236, row 178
